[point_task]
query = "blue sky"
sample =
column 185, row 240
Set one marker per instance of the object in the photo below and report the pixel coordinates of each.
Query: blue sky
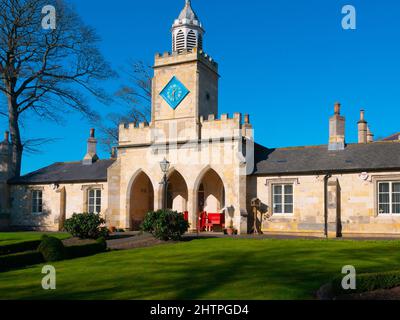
column 285, row 62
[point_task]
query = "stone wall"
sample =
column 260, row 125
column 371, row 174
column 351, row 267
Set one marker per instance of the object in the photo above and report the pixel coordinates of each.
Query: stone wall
column 351, row 202
column 58, row 204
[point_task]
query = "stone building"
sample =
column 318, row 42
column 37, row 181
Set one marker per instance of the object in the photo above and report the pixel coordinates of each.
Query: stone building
column 214, row 166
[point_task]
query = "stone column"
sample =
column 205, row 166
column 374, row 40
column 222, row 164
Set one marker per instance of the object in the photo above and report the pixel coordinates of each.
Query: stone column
column 192, row 208
column 334, row 214
column 242, row 195
column 112, row 214
column 158, row 198
column 62, row 215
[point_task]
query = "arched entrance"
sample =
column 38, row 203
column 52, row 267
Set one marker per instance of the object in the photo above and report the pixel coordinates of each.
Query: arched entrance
column 141, row 200
column 211, row 200
column 177, row 195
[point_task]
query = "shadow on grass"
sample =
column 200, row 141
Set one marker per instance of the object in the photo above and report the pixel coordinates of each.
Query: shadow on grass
column 211, row 269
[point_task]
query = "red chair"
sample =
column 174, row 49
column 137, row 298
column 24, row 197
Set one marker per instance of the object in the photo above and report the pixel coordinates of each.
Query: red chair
column 202, row 221
column 216, row 219
column 186, row 216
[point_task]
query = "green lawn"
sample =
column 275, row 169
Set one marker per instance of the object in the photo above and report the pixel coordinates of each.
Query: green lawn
column 16, row 237
column 206, row 269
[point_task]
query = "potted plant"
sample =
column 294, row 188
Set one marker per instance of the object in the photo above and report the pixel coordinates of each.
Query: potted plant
column 231, row 230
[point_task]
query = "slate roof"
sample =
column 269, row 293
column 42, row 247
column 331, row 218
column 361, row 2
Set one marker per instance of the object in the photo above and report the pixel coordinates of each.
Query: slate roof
column 393, row 137
column 377, row 156
column 67, row 172
column 188, row 12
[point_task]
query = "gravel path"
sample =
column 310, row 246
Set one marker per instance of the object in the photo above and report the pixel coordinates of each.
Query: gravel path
column 390, row 294
column 134, row 239
column 131, row 240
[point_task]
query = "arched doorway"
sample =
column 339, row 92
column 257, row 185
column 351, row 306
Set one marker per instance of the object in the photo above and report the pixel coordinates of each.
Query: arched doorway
column 210, row 196
column 177, row 194
column 141, row 200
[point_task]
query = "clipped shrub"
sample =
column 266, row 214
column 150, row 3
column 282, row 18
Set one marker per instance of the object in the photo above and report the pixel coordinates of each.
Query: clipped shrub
column 52, row 249
column 19, row 247
column 20, row 260
column 165, row 225
column 368, row 282
column 86, row 250
column 86, row 226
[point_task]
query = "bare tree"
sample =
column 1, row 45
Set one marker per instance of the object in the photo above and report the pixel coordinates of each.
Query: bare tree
column 135, row 99
column 46, row 72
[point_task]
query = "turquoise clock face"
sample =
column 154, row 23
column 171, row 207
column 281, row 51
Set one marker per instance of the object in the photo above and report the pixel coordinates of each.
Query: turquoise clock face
column 174, row 93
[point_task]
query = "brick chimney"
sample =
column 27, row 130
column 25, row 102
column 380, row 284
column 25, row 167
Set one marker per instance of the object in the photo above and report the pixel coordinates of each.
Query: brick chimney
column 114, row 153
column 362, row 128
column 91, row 155
column 370, row 135
column 336, row 130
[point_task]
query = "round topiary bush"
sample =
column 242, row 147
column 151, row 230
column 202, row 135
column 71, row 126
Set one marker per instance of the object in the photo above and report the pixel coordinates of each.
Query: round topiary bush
column 52, row 249
column 165, row 225
column 86, row 226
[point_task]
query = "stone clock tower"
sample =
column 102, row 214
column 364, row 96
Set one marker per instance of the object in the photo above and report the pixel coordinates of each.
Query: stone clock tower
column 185, row 83
column 207, row 169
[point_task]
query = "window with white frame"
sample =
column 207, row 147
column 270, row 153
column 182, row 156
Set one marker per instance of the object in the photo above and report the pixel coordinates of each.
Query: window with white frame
column 282, row 198
column 37, row 201
column 389, row 197
column 94, row 201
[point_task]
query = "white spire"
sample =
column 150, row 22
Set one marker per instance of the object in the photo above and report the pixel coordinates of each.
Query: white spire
column 187, row 30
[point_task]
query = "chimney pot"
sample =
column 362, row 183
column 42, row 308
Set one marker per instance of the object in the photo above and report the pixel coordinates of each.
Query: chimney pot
column 246, row 119
column 370, row 135
column 92, row 132
column 7, row 136
column 337, row 108
column 362, row 115
column 362, row 128
column 114, row 153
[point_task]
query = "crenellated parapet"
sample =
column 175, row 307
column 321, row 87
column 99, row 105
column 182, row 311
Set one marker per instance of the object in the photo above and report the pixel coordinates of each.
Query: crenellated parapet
column 134, row 133
column 226, row 126
column 212, row 127
column 185, row 56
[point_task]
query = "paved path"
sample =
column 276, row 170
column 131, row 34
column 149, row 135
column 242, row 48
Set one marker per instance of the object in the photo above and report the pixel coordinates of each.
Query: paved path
column 131, row 240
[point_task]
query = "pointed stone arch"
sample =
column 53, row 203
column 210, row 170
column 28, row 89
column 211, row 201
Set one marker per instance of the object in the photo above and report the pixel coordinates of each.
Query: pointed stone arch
column 210, row 192
column 140, row 198
column 203, row 172
column 178, row 192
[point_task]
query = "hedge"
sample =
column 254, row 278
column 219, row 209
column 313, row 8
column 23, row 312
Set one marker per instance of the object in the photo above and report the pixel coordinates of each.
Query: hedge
column 52, row 249
column 29, row 258
column 19, row 247
column 368, row 282
column 20, row 260
column 86, row 250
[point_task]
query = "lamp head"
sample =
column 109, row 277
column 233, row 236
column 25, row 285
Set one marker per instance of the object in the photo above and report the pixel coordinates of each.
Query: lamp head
column 164, row 165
